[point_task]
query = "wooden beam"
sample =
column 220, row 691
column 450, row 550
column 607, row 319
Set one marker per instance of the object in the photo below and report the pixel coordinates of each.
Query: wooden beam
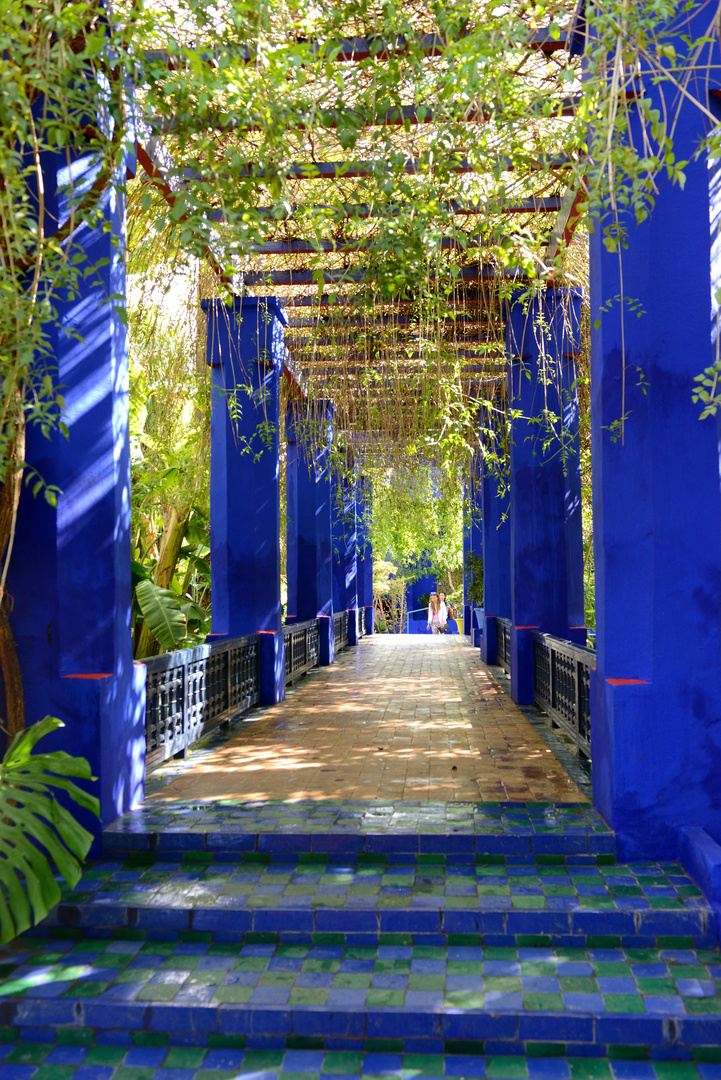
column 339, row 277
column 351, row 50
column 366, row 211
column 359, row 243
column 343, row 170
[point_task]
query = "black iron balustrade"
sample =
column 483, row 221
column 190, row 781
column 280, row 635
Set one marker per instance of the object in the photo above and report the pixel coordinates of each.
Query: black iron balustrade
column 340, row 630
column 503, row 644
column 561, row 685
column 190, row 692
column 301, row 648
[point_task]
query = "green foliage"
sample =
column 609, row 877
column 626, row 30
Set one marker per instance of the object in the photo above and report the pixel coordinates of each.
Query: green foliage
column 37, row 834
column 162, row 613
column 418, row 515
column 474, row 579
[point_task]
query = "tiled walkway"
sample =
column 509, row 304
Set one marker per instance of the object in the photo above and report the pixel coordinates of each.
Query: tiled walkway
column 390, row 876
column 397, row 718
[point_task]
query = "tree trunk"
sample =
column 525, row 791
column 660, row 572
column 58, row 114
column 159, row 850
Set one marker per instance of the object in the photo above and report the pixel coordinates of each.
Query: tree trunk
column 9, row 663
column 171, row 542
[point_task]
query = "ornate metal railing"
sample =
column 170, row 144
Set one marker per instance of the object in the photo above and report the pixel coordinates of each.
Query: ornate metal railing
column 561, row 685
column 301, row 648
column 340, row 630
column 361, row 622
column 190, row 692
column 503, row 644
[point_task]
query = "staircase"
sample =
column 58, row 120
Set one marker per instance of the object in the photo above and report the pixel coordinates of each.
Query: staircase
column 358, row 939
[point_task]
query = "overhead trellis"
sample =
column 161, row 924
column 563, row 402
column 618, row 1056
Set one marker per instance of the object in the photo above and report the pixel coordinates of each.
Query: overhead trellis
column 391, row 189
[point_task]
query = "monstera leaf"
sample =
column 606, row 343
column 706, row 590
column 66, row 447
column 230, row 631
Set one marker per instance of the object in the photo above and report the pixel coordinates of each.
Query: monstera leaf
column 162, row 614
column 37, row 835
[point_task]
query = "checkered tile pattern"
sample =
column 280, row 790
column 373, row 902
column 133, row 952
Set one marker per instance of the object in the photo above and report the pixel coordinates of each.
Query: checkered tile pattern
column 668, row 982
column 499, row 887
column 47, row 1061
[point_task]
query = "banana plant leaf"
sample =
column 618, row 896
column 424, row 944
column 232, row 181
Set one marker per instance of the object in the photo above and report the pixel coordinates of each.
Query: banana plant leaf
column 162, row 613
column 38, row 836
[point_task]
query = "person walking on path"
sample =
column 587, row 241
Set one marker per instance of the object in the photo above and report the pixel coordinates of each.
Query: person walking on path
column 437, row 615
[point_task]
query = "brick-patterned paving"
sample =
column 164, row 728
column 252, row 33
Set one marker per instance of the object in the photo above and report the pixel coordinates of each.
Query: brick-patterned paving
column 394, row 718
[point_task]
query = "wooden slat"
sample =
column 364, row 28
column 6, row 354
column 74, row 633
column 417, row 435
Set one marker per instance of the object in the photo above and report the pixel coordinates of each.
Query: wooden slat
column 336, row 277
column 366, row 211
column 343, row 170
column 352, row 49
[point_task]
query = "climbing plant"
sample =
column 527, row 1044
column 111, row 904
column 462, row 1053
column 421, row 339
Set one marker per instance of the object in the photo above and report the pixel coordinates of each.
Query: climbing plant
column 232, row 133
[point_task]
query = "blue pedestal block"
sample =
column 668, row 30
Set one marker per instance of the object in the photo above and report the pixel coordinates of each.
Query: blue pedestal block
column 656, row 708
column 70, row 571
column 245, row 352
column 370, row 619
column 542, row 340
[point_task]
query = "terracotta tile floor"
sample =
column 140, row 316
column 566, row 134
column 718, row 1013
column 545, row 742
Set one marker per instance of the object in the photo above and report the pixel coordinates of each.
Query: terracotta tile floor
column 396, row 718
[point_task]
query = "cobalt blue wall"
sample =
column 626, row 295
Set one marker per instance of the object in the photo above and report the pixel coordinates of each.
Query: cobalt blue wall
column 496, row 530
column 343, row 508
column 70, row 572
column 245, row 352
column 542, row 338
column 656, row 693
column 308, row 522
column 364, row 560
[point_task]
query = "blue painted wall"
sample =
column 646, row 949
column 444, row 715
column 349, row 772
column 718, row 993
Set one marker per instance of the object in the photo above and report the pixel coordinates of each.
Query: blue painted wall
column 343, row 509
column 70, row 572
column 656, row 693
column 245, row 352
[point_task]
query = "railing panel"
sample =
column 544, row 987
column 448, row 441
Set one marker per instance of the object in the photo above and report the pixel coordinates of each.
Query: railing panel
column 191, row 691
column 340, row 630
column 503, row 644
column 561, row 685
column 301, row 648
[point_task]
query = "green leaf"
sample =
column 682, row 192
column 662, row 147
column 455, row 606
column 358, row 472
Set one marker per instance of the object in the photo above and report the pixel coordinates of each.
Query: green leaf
column 37, row 834
column 162, row 613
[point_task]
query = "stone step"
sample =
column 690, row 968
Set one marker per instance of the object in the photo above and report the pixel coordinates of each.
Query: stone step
column 223, row 1057
column 361, row 828
column 432, row 1000
column 496, row 903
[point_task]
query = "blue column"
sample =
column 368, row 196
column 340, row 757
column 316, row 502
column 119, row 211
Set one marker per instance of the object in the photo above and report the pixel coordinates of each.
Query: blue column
column 70, row 571
column 364, row 560
column 475, row 506
column 466, row 554
column 496, row 532
column 656, row 691
column 308, row 518
column 245, row 352
column 542, row 339
column 345, row 577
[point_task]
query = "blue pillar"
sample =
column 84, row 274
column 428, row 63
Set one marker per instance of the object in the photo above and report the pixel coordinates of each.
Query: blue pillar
column 496, row 532
column 345, row 577
column 466, row 554
column 364, row 561
column 245, row 352
column 70, row 571
column 308, row 519
column 475, row 500
column 542, row 340
column 656, row 691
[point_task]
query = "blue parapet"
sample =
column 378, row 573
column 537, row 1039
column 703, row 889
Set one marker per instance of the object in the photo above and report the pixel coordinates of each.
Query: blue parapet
column 70, row 572
column 245, row 352
column 656, row 707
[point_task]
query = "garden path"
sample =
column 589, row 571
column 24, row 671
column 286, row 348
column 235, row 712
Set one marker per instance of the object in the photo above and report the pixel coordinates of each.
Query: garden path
column 398, row 718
